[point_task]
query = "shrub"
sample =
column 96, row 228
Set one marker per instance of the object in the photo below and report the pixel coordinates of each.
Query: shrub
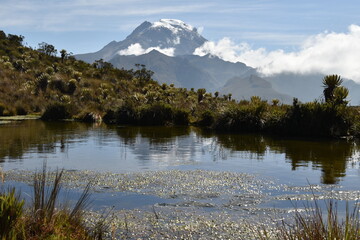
column 110, row 117
column 246, row 118
column 317, row 119
column 8, row 112
column 56, row 111
column 207, row 118
column 59, row 85
column 42, row 81
column 156, row 114
column 20, row 110
column 2, row 109
column 181, row 117
column 71, row 86
column 86, row 94
column 126, row 114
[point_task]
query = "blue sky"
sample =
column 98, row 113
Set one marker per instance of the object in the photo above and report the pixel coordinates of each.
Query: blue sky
column 271, row 35
column 87, row 25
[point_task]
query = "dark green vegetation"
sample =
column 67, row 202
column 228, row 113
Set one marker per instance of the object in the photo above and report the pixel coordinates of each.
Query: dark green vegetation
column 45, row 218
column 37, row 81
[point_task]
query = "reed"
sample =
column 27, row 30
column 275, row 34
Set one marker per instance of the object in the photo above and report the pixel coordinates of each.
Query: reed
column 313, row 224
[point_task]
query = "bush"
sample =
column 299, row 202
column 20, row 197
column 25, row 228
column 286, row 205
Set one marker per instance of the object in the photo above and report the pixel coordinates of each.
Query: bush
column 245, row 118
column 181, row 117
column 56, row 111
column 2, row 109
column 71, row 86
column 110, row 117
column 20, row 110
column 59, row 85
column 317, row 119
column 156, row 114
column 207, row 119
column 126, row 114
column 42, row 81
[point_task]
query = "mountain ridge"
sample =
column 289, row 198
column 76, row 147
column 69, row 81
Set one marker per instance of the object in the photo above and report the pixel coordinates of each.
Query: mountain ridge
column 179, row 40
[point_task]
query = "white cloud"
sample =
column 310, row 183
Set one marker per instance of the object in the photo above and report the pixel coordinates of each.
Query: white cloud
column 136, row 49
column 327, row 53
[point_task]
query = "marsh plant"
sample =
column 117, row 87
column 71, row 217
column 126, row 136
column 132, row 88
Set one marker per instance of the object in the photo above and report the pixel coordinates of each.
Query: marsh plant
column 46, row 217
column 313, row 224
column 11, row 210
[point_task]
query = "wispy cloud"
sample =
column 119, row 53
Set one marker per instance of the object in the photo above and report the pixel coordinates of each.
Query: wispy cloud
column 326, row 53
column 136, row 49
column 77, row 14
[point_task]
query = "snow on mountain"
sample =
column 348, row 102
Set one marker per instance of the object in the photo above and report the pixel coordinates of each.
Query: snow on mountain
column 169, row 36
column 174, row 25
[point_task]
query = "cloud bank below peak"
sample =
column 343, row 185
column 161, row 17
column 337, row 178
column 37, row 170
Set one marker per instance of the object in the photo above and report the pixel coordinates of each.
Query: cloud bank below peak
column 326, row 53
column 136, row 49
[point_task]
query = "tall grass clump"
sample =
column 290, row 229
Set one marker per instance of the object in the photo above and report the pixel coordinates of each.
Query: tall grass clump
column 314, row 225
column 56, row 111
column 46, row 217
column 11, row 210
column 181, row 117
column 49, row 219
column 243, row 117
column 156, row 114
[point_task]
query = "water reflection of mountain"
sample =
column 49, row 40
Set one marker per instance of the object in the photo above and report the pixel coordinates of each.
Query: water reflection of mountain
column 331, row 156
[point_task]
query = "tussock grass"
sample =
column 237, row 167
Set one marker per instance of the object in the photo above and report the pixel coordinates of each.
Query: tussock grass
column 316, row 223
column 46, row 218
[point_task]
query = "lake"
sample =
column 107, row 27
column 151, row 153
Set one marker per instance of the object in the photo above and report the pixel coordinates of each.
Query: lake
column 79, row 146
column 275, row 168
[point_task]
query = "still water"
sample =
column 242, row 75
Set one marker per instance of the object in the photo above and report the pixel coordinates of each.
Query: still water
column 76, row 146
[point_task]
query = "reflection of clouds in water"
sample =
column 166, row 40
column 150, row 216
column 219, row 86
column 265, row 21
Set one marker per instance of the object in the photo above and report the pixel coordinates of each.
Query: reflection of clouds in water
column 354, row 160
column 173, row 151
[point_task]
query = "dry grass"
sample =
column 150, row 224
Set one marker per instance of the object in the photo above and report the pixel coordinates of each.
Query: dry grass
column 313, row 224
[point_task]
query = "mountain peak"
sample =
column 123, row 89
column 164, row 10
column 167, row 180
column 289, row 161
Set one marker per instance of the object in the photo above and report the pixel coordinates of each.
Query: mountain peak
column 169, row 36
column 174, row 25
column 164, row 34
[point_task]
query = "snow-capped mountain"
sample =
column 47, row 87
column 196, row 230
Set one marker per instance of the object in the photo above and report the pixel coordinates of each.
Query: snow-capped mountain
column 167, row 46
column 169, row 36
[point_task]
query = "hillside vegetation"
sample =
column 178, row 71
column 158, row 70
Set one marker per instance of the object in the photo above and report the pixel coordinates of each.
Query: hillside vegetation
column 57, row 86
